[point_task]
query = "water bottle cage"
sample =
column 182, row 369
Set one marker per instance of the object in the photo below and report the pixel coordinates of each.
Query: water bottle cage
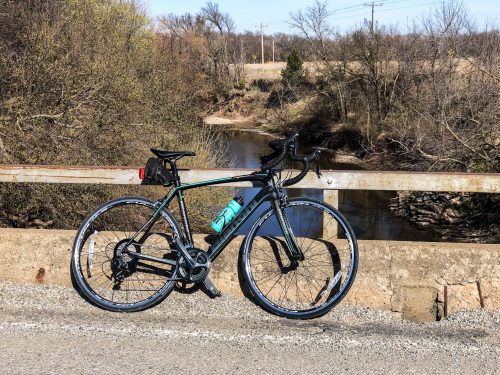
column 226, row 215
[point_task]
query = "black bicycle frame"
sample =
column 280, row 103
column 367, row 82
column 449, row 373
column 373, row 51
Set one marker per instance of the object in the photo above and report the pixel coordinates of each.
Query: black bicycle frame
column 267, row 193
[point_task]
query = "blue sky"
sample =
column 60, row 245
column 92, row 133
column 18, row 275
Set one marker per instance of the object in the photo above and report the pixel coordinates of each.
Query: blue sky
column 345, row 14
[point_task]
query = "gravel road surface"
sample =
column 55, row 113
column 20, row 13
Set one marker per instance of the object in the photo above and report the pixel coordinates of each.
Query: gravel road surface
column 49, row 330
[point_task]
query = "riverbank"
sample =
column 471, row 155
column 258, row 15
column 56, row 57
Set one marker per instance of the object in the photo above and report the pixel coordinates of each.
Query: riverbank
column 251, row 124
column 401, row 216
column 457, row 217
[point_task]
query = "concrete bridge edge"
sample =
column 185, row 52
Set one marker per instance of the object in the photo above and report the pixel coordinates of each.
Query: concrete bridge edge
column 421, row 281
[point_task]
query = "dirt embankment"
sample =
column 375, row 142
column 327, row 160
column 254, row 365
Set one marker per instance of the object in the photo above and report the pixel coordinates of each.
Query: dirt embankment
column 458, row 217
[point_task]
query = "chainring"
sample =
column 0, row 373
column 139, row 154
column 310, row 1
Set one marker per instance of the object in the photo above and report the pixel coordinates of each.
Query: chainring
column 198, row 273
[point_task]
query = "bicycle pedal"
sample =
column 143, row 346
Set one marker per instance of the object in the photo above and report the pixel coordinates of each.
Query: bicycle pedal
column 210, row 288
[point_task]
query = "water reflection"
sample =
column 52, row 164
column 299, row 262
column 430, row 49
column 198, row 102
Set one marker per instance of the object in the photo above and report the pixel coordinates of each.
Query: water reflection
column 367, row 211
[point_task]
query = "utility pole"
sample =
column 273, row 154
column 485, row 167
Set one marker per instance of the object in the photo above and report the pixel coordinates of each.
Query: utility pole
column 373, row 4
column 273, row 48
column 241, row 51
column 262, row 40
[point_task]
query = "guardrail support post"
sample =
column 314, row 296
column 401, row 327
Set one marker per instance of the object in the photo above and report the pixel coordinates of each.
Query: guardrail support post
column 329, row 226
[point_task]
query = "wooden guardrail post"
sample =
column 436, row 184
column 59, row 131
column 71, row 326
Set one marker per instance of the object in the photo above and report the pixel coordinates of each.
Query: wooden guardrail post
column 330, row 228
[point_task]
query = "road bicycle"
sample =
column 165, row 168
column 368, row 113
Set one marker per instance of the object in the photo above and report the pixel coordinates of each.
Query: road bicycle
column 298, row 259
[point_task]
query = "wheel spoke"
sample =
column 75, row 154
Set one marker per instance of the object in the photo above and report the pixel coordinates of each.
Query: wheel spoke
column 110, row 231
column 302, row 287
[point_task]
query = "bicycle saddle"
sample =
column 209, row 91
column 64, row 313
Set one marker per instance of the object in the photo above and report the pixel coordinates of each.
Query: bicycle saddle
column 171, row 155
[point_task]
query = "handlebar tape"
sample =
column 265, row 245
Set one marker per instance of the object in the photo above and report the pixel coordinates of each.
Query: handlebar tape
column 281, row 149
column 306, row 160
column 300, row 176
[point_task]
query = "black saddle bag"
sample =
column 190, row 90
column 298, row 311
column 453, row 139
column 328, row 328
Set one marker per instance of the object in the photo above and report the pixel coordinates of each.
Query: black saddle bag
column 155, row 173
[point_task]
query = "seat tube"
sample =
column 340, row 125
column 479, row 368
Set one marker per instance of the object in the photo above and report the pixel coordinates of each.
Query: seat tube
column 290, row 238
column 184, row 216
column 182, row 205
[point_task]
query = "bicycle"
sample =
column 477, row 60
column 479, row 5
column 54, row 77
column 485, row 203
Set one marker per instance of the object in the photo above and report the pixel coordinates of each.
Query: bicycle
column 129, row 253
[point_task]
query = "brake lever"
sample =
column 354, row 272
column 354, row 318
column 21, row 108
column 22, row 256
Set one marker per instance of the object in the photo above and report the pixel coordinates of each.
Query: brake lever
column 318, row 171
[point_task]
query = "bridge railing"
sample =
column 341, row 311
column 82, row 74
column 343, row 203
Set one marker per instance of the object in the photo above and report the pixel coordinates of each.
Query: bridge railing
column 330, row 181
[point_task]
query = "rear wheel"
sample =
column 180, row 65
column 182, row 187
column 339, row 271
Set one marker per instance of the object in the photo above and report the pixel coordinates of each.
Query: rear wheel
column 308, row 288
column 101, row 263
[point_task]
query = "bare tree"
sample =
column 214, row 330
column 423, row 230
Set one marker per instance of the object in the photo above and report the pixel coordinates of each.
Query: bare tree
column 313, row 24
column 219, row 36
column 222, row 22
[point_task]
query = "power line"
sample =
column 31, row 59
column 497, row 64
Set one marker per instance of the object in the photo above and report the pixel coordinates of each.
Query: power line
column 373, row 5
column 411, row 6
column 359, row 7
column 356, row 8
column 386, row 10
column 353, row 11
column 339, row 10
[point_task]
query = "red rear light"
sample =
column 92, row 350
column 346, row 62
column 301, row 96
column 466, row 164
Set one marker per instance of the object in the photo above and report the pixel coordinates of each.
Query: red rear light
column 141, row 173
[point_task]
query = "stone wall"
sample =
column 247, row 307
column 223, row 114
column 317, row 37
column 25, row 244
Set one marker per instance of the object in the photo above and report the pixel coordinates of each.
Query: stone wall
column 421, row 281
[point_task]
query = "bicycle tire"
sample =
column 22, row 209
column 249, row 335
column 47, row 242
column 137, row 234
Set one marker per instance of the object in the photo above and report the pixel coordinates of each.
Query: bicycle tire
column 94, row 251
column 322, row 280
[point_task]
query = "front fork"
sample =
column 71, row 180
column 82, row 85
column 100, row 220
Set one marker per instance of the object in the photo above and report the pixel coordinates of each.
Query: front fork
column 293, row 249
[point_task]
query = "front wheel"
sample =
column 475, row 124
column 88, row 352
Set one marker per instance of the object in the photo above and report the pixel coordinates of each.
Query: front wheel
column 103, row 263
column 293, row 287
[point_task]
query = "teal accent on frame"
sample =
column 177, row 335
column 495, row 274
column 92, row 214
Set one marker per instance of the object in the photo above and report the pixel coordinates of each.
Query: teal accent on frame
column 223, row 238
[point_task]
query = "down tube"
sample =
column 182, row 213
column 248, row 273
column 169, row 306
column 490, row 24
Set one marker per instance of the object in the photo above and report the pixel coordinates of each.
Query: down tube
column 225, row 236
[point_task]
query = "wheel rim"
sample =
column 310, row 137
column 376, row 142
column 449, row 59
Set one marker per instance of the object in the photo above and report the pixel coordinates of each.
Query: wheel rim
column 304, row 287
column 96, row 259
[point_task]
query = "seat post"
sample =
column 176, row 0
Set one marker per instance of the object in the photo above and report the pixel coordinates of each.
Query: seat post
column 175, row 172
column 182, row 205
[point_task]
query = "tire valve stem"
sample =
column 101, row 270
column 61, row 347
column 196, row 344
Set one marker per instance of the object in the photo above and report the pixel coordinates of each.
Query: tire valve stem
column 90, row 254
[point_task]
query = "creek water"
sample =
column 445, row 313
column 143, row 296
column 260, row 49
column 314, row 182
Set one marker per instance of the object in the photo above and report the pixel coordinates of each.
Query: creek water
column 367, row 211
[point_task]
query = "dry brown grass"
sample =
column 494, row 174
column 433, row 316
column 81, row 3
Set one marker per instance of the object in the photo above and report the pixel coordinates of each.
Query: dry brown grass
column 86, row 83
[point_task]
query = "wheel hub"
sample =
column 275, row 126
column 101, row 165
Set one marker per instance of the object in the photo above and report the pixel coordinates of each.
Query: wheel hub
column 123, row 264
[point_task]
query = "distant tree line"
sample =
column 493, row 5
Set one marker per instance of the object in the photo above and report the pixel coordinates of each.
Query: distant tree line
column 428, row 99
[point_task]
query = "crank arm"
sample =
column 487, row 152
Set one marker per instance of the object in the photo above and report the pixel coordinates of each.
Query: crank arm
column 180, row 246
column 212, row 291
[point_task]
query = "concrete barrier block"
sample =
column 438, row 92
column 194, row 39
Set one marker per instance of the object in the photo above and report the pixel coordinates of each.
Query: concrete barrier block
column 462, row 297
column 490, row 290
column 419, row 304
